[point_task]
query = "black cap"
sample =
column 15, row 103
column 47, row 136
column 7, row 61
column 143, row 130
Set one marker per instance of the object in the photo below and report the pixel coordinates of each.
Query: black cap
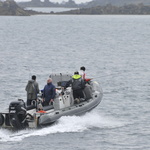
column 33, row 77
column 76, row 72
column 82, row 68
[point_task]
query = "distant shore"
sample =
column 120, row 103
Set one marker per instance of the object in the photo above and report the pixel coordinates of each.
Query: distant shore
column 10, row 8
column 109, row 9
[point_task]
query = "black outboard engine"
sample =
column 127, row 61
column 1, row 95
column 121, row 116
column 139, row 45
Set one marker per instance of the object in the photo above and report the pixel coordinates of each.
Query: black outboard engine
column 1, row 119
column 17, row 114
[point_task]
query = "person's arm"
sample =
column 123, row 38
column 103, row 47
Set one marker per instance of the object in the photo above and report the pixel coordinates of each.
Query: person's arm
column 83, row 84
column 43, row 95
column 53, row 92
column 67, row 84
column 53, row 95
column 38, row 88
column 26, row 87
column 84, row 75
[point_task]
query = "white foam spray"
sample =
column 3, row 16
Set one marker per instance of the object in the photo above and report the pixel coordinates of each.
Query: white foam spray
column 65, row 124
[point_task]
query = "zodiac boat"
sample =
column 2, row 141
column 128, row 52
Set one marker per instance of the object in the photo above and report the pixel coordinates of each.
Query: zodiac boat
column 19, row 116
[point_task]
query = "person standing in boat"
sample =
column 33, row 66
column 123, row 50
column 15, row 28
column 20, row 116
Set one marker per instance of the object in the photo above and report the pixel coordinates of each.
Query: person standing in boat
column 82, row 72
column 49, row 93
column 32, row 89
column 78, row 85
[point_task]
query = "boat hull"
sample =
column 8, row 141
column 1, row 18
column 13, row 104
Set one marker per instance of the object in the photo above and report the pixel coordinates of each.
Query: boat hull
column 77, row 110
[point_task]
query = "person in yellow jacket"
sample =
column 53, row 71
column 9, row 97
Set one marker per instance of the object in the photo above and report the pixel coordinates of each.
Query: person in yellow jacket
column 77, row 84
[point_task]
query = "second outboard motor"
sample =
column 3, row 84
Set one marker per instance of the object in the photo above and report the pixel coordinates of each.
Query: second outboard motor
column 17, row 114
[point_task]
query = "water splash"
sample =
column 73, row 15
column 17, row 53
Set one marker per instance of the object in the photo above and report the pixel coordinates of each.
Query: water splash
column 64, row 125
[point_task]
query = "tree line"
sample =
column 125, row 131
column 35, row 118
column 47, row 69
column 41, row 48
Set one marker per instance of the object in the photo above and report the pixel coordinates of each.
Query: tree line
column 110, row 9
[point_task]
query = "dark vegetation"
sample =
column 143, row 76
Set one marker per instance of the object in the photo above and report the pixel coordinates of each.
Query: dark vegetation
column 10, row 8
column 131, row 9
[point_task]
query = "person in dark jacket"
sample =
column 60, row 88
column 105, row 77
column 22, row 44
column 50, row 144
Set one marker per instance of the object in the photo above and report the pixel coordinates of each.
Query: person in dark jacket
column 32, row 89
column 78, row 85
column 49, row 93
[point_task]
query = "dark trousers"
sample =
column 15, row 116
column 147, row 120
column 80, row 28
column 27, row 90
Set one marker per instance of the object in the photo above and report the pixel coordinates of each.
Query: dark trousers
column 29, row 101
column 78, row 93
column 45, row 103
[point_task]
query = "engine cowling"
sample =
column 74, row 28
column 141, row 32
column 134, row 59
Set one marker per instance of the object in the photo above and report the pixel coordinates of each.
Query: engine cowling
column 17, row 114
column 1, row 119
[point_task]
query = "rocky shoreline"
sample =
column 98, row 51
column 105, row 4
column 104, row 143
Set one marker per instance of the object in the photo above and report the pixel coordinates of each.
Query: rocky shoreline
column 109, row 9
column 10, row 8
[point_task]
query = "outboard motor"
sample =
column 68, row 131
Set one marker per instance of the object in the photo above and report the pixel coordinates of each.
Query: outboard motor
column 17, row 114
column 1, row 119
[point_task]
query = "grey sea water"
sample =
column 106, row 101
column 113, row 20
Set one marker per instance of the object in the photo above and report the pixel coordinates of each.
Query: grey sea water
column 115, row 51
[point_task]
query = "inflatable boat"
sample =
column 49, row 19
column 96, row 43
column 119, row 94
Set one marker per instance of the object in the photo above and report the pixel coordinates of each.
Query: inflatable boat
column 18, row 116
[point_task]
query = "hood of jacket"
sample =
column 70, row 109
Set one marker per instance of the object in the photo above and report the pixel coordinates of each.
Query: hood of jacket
column 76, row 76
column 31, row 81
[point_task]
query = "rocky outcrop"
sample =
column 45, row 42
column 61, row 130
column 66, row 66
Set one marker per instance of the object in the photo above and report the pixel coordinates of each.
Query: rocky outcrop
column 10, row 8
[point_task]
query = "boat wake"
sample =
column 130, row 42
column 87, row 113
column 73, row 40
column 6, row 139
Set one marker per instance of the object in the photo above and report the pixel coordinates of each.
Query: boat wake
column 65, row 124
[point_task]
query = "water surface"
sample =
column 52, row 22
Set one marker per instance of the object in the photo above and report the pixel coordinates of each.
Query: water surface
column 115, row 51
